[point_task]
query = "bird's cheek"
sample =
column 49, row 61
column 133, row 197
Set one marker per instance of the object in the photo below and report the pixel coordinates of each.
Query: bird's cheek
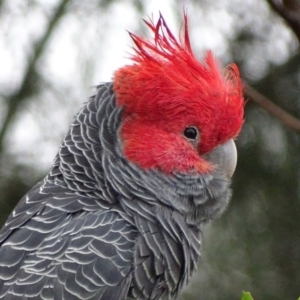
column 179, row 157
column 154, row 148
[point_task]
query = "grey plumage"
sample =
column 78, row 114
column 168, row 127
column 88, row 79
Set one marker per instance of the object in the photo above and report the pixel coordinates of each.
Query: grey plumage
column 99, row 227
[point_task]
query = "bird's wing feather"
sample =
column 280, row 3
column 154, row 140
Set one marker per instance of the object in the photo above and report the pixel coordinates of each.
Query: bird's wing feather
column 62, row 255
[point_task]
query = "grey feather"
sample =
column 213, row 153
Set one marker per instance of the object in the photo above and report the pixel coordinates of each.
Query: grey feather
column 99, row 227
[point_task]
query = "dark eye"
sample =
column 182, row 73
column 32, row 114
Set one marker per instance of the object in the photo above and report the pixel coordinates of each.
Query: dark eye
column 191, row 133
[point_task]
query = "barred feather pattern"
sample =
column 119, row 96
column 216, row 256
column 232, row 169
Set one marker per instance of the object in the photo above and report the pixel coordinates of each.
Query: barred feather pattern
column 99, row 227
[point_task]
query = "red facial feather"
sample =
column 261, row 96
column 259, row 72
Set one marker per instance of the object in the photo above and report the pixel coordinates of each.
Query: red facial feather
column 167, row 89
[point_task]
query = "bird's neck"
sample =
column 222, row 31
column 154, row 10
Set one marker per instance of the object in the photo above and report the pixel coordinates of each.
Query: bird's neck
column 167, row 248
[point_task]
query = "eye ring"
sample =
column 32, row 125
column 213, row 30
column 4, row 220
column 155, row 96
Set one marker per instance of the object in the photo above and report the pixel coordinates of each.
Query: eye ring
column 191, row 133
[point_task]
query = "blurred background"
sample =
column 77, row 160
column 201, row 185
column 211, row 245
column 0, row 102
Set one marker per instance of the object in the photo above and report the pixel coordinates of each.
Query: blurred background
column 53, row 53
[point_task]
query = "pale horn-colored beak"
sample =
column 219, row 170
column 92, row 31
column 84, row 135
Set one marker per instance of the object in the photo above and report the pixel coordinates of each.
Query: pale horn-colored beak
column 224, row 157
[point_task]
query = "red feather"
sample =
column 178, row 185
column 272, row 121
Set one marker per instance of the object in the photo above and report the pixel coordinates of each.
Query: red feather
column 167, row 89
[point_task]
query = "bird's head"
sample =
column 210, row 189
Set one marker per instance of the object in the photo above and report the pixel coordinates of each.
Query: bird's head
column 180, row 114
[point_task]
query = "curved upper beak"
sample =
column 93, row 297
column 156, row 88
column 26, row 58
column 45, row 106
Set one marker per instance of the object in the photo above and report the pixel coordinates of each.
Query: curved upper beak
column 224, row 157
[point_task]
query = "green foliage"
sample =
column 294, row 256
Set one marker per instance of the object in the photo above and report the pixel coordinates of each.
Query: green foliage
column 246, row 296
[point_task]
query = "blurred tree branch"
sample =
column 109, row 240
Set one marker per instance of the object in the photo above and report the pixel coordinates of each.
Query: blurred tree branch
column 270, row 106
column 28, row 85
column 289, row 10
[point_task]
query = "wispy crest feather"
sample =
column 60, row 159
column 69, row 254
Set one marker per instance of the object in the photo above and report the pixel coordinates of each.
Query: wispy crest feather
column 165, row 44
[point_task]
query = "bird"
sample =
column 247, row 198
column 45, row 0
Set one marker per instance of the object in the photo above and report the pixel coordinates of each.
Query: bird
column 146, row 162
